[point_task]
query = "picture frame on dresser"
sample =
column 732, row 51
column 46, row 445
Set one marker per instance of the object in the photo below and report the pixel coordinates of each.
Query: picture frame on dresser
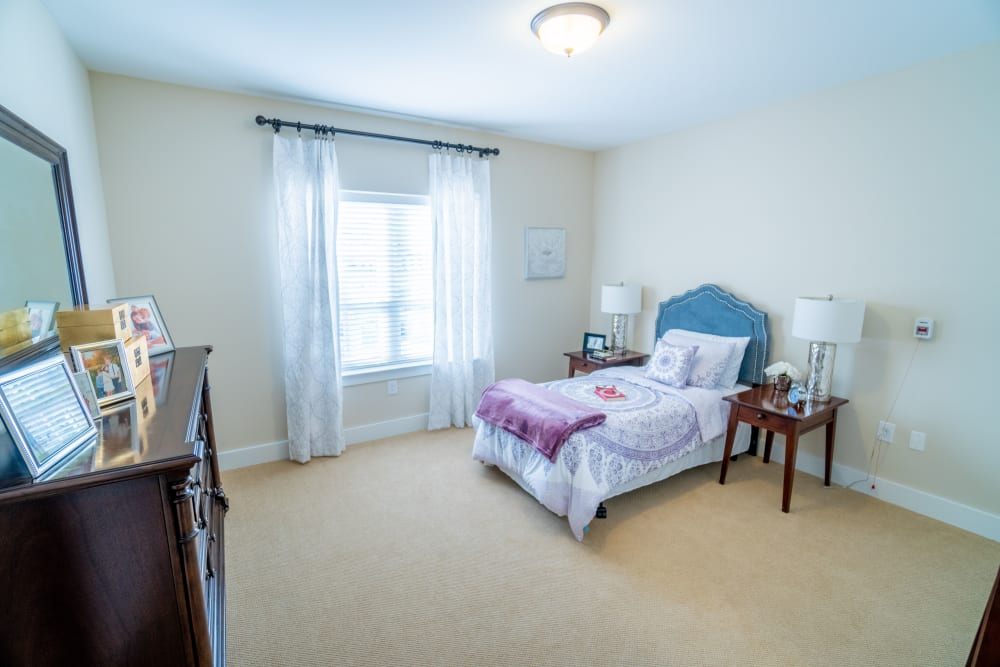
column 147, row 322
column 105, row 362
column 41, row 316
column 86, row 386
column 44, row 413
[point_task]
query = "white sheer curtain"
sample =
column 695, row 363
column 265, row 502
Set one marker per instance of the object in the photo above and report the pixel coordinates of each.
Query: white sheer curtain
column 305, row 184
column 463, row 328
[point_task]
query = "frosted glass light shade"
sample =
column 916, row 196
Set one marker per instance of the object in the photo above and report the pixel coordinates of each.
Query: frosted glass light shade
column 621, row 299
column 819, row 318
column 570, row 28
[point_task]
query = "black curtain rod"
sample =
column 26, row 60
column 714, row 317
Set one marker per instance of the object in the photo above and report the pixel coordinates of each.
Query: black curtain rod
column 277, row 124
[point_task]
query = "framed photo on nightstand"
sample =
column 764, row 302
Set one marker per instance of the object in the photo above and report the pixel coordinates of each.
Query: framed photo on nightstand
column 593, row 342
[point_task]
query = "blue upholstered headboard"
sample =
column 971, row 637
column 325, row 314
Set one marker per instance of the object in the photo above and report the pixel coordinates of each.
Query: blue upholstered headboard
column 709, row 309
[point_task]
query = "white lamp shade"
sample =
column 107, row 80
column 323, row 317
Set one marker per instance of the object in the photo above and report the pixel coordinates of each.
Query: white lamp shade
column 819, row 318
column 621, row 299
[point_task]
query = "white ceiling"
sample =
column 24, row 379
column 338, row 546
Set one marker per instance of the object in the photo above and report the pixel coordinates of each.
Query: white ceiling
column 661, row 64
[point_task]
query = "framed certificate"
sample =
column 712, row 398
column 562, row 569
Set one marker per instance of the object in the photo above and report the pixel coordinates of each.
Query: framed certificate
column 45, row 414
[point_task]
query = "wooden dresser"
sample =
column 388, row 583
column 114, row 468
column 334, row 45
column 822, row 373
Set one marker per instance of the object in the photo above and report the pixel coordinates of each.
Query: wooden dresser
column 120, row 559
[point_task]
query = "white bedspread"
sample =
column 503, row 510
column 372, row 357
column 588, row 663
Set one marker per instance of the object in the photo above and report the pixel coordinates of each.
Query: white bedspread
column 654, row 425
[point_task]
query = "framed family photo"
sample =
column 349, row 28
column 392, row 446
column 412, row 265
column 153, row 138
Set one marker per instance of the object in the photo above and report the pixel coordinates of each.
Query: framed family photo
column 106, row 364
column 44, row 413
column 41, row 315
column 147, row 322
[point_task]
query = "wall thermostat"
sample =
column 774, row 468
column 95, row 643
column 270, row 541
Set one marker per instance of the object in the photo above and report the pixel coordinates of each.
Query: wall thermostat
column 923, row 327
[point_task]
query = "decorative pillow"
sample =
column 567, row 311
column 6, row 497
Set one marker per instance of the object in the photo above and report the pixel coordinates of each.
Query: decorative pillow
column 671, row 364
column 719, row 358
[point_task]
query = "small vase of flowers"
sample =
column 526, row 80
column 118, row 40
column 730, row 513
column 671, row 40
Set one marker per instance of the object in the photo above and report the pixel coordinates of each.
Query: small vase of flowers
column 783, row 374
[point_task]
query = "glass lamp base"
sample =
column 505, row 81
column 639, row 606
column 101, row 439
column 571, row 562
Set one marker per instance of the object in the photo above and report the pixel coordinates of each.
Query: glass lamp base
column 820, row 380
column 619, row 324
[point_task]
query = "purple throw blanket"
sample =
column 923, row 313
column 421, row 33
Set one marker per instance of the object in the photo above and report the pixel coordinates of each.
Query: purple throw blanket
column 543, row 417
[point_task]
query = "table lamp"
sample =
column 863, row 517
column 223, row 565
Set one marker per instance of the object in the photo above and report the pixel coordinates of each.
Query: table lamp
column 825, row 321
column 621, row 301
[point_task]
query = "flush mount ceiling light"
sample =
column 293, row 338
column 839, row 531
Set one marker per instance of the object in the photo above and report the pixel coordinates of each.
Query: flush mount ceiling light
column 570, row 28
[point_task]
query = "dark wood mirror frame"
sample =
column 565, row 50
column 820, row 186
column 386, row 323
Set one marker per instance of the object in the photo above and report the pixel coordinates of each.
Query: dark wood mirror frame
column 21, row 133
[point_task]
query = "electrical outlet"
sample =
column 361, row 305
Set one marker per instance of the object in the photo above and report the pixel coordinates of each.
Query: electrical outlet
column 392, row 387
column 918, row 440
column 886, row 431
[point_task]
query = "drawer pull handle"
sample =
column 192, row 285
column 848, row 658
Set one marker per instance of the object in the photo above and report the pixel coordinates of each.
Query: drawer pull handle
column 761, row 415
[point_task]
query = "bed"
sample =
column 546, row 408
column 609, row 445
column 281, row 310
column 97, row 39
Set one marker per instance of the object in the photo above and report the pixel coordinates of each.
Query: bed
column 659, row 429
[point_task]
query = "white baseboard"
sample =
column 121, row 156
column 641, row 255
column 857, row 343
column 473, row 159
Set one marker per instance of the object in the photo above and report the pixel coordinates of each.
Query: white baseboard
column 254, row 454
column 278, row 451
column 962, row 516
column 386, row 429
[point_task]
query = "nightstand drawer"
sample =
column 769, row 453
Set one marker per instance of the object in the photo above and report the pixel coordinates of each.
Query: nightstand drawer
column 764, row 420
column 582, row 363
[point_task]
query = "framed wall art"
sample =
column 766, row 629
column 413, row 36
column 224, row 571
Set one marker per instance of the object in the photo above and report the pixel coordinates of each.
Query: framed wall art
column 544, row 252
column 106, row 364
column 147, row 322
column 44, row 413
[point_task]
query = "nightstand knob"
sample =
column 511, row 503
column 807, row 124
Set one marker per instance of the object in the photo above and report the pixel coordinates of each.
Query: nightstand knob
column 761, row 415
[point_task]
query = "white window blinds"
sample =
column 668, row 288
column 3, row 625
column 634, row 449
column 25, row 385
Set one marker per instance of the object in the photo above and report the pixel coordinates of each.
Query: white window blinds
column 384, row 264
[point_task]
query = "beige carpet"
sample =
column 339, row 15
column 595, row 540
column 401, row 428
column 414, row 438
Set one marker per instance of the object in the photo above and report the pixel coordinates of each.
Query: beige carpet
column 408, row 552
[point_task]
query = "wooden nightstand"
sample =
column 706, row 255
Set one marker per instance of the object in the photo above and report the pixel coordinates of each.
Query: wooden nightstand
column 759, row 407
column 579, row 361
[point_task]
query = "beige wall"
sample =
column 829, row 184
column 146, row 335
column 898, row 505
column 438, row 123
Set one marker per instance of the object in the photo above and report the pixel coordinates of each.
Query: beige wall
column 191, row 213
column 44, row 83
column 884, row 190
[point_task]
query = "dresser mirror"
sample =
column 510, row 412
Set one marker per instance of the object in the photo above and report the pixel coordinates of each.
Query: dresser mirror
column 39, row 246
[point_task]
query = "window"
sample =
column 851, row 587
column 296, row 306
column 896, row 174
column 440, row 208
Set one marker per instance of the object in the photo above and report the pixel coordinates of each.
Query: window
column 384, row 264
